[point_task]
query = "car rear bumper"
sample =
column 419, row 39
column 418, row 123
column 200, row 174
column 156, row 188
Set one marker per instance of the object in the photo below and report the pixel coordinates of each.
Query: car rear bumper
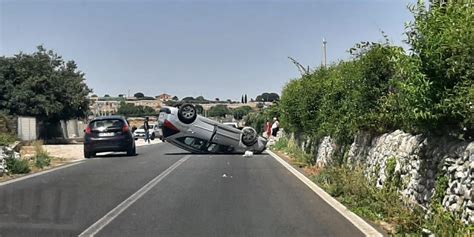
column 103, row 145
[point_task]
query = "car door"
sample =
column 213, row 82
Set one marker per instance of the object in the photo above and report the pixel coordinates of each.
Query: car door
column 202, row 128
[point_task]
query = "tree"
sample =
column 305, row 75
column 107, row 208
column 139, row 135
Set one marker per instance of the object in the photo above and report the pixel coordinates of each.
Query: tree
column 139, row 95
column 218, row 111
column 240, row 112
column 245, row 99
column 242, row 99
column 42, row 85
column 217, row 99
column 268, row 97
column 200, row 99
column 188, row 99
column 175, row 98
column 130, row 110
column 106, row 96
column 199, row 109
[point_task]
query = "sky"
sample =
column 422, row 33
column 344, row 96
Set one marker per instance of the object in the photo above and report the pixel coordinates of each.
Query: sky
column 215, row 48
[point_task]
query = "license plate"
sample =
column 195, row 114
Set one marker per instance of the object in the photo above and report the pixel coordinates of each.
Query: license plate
column 106, row 134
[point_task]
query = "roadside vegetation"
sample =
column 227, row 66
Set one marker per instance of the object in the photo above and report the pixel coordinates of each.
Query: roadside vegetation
column 40, row 160
column 384, row 206
column 428, row 89
column 42, row 85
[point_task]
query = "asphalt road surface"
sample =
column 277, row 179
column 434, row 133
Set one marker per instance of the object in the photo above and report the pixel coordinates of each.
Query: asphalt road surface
column 165, row 191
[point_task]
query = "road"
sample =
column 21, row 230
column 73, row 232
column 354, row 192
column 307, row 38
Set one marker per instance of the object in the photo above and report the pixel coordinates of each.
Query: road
column 165, row 191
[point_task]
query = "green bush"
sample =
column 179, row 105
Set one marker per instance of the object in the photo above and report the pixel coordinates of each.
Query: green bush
column 382, row 88
column 42, row 158
column 258, row 120
column 18, row 166
column 6, row 139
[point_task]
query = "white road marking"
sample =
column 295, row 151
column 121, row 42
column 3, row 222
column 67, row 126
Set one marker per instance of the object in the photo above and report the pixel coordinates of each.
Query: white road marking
column 111, row 215
column 358, row 222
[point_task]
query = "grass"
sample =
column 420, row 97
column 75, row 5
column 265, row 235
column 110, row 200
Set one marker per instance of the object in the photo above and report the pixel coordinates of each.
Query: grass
column 18, row 166
column 6, row 139
column 42, row 158
column 299, row 157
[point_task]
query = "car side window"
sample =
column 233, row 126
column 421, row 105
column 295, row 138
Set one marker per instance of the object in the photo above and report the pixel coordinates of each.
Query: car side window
column 217, row 148
column 194, row 142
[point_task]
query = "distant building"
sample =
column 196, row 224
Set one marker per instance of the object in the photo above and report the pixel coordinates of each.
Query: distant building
column 164, row 97
column 103, row 106
column 155, row 104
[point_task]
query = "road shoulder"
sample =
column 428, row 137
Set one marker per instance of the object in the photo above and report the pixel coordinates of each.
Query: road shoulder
column 357, row 221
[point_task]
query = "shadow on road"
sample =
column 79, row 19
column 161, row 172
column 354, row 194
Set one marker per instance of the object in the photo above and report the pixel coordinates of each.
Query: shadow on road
column 113, row 155
column 209, row 153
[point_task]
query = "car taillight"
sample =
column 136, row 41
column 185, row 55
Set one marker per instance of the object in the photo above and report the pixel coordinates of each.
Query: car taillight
column 169, row 125
column 169, row 129
column 125, row 128
column 88, row 130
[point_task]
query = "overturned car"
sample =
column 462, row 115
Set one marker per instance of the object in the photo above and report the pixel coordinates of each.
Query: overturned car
column 186, row 129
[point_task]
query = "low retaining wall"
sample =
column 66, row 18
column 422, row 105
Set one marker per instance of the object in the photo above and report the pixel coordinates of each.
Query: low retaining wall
column 422, row 164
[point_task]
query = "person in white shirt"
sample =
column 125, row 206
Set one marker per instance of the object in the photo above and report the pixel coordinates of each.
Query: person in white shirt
column 275, row 127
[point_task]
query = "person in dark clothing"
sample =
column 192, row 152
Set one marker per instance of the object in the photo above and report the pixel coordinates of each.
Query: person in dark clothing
column 146, row 127
column 275, row 127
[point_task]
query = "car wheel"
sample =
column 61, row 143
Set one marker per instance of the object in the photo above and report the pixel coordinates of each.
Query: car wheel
column 187, row 113
column 249, row 136
column 88, row 154
column 152, row 137
column 132, row 151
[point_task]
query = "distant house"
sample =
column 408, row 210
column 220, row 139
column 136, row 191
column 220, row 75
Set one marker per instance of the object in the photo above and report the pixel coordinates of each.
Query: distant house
column 164, row 97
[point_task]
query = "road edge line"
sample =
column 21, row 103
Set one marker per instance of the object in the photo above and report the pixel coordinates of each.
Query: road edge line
column 357, row 221
column 69, row 164
column 116, row 211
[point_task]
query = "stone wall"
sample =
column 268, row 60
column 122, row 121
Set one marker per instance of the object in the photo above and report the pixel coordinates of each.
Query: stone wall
column 420, row 162
column 7, row 152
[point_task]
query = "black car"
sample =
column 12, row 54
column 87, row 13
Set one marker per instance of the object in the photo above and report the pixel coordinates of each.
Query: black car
column 110, row 133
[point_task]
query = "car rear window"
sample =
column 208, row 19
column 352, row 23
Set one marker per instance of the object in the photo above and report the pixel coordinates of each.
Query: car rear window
column 106, row 124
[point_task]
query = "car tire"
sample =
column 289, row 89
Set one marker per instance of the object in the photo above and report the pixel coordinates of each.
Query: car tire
column 249, row 136
column 88, row 154
column 132, row 151
column 152, row 137
column 187, row 113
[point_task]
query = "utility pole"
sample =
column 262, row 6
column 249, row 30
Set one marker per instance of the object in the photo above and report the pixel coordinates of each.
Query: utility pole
column 324, row 52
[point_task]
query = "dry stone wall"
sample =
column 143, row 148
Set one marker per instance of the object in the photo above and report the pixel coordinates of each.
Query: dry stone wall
column 422, row 163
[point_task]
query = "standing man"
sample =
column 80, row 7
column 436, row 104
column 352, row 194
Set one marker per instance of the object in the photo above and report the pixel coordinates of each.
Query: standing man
column 275, row 127
column 146, row 126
